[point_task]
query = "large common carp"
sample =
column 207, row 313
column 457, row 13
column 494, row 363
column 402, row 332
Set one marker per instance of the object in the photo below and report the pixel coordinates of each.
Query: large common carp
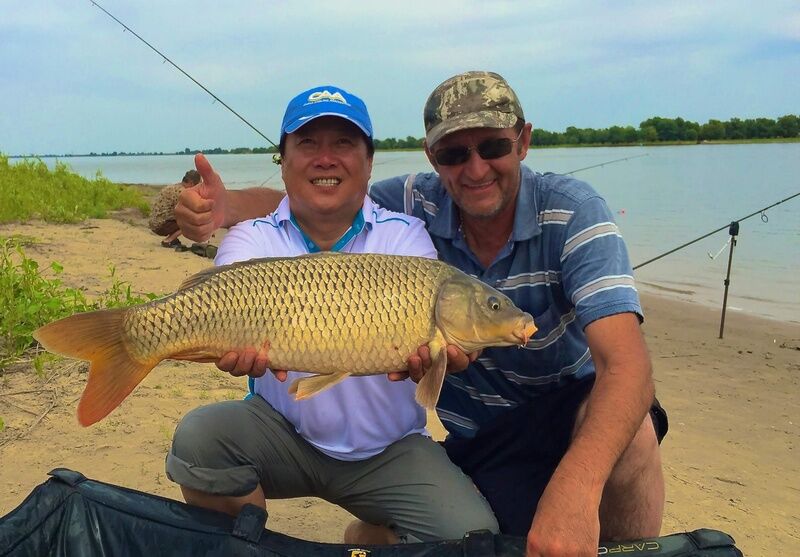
column 332, row 314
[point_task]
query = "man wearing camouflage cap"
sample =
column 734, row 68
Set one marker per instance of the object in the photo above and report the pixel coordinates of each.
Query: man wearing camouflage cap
column 562, row 436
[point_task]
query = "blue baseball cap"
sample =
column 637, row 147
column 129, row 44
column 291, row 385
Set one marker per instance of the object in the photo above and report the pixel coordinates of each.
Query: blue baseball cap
column 325, row 100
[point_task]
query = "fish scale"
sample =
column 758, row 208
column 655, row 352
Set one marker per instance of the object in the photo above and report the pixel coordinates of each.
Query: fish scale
column 369, row 304
column 334, row 315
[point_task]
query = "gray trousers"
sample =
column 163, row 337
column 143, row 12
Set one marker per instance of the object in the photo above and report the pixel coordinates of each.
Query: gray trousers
column 228, row 448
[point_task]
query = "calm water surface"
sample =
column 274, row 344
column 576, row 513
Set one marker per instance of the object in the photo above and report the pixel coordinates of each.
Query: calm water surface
column 667, row 197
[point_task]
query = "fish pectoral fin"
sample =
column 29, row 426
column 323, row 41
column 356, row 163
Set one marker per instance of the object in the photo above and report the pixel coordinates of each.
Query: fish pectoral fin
column 306, row 387
column 196, row 355
column 430, row 385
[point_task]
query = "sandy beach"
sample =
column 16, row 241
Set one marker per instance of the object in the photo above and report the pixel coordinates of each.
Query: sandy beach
column 731, row 459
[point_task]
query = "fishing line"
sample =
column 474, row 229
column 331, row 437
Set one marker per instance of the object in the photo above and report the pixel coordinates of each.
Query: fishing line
column 265, row 182
column 605, row 163
column 177, row 67
column 713, row 256
column 761, row 212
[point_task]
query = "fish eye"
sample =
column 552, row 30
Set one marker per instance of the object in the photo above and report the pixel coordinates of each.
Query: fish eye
column 494, row 303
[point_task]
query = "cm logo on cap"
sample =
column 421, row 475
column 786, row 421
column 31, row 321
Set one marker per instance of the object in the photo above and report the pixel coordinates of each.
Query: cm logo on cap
column 319, row 96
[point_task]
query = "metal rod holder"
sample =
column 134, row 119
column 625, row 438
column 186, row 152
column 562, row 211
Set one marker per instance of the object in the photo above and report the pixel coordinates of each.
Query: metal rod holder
column 733, row 230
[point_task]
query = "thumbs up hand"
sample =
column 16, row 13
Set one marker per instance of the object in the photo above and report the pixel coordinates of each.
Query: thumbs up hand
column 201, row 209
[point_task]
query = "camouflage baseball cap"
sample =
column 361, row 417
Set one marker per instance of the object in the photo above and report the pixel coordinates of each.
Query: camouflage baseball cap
column 470, row 100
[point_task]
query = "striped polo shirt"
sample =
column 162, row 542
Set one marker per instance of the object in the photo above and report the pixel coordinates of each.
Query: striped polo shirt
column 565, row 264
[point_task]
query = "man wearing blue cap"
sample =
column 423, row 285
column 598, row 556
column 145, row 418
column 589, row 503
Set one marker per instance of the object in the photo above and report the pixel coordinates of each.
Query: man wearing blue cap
column 361, row 444
column 562, row 437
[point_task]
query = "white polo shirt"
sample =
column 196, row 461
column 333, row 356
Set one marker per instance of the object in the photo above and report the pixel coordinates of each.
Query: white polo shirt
column 359, row 417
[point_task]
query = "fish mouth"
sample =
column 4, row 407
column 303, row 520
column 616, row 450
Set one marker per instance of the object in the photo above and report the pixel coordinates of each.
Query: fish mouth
column 524, row 329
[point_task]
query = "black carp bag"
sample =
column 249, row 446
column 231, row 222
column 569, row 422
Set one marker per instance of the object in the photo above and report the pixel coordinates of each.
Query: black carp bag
column 73, row 516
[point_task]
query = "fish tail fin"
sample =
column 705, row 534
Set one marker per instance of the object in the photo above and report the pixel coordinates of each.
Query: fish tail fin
column 97, row 336
column 430, row 386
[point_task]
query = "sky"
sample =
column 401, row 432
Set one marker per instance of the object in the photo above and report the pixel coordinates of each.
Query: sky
column 73, row 81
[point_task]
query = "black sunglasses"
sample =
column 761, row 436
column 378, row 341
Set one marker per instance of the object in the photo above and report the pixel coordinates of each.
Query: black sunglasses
column 487, row 149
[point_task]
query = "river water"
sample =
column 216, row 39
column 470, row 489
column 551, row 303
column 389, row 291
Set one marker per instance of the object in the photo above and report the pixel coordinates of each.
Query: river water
column 662, row 197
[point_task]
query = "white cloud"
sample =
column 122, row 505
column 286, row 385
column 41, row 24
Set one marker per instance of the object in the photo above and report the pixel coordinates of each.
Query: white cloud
column 573, row 63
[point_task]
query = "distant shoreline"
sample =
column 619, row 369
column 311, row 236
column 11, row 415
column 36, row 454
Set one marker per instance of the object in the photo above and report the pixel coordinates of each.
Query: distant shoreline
column 561, row 146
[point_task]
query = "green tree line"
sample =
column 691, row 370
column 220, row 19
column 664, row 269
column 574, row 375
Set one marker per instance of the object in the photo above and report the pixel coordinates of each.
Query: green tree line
column 652, row 130
column 657, row 129
column 392, row 143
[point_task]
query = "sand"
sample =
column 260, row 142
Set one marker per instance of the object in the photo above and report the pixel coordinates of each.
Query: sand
column 731, row 457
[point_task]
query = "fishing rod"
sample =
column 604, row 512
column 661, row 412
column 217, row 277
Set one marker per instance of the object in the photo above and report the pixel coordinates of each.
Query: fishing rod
column 733, row 231
column 177, row 67
column 704, row 236
column 242, row 118
column 565, row 173
column 605, row 163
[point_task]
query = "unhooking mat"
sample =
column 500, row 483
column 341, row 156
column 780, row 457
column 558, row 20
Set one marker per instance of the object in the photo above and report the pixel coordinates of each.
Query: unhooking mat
column 70, row 515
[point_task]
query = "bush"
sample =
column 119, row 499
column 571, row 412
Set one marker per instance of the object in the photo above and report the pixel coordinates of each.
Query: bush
column 30, row 190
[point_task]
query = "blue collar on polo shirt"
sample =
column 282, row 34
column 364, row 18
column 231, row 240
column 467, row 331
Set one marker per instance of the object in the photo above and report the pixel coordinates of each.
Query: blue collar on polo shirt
column 282, row 217
column 350, row 233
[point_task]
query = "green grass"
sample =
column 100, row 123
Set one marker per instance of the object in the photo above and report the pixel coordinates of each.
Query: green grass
column 29, row 300
column 30, row 190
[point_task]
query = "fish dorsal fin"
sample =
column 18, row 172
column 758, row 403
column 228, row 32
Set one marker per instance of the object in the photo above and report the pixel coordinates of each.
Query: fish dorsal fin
column 197, row 278
column 206, row 274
